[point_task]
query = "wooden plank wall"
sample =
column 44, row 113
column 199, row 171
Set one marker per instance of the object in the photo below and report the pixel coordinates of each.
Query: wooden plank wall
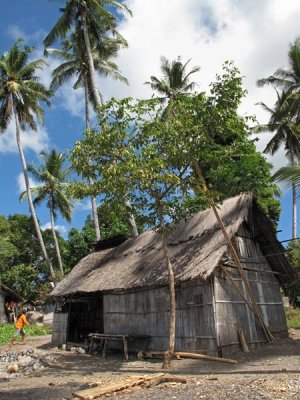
column 2, row 310
column 59, row 328
column 232, row 312
column 146, row 312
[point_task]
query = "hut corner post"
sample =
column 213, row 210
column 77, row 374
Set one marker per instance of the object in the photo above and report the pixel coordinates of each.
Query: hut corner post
column 172, row 320
column 256, row 310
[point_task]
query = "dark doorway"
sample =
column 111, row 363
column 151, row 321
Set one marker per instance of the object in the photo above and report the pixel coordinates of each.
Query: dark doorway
column 85, row 316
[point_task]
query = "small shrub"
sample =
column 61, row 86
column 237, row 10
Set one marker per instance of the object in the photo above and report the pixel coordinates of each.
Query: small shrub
column 293, row 317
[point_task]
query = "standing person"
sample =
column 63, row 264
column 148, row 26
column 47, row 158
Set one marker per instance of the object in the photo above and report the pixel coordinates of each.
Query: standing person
column 21, row 322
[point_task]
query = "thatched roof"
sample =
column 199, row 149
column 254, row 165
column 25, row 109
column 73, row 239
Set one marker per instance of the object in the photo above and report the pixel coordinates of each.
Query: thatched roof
column 196, row 248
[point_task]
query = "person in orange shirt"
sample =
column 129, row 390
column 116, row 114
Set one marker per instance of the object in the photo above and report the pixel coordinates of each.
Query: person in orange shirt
column 21, row 322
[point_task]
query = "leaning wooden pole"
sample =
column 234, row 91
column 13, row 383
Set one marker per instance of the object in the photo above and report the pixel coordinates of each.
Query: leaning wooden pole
column 256, row 309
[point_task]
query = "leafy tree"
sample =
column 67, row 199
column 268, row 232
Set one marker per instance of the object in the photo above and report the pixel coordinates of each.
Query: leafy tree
column 155, row 157
column 21, row 266
column 20, row 98
column 292, row 290
column 52, row 178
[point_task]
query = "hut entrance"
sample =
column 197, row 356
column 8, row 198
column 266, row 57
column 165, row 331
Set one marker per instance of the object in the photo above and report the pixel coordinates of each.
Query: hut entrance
column 85, row 316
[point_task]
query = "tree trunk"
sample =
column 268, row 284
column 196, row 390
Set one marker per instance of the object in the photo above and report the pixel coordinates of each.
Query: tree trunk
column 93, row 198
column 96, row 94
column 29, row 196
column 131, row 219
column 172, row 319
column 294, row 191
column 294, row 194
column 55, row 239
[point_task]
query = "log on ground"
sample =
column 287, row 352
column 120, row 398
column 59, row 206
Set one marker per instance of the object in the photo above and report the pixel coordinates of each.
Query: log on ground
column 131, row 382
column 177, row 354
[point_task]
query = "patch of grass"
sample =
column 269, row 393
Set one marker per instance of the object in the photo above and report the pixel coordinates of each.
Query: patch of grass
column 7, row 331
column 293, row 317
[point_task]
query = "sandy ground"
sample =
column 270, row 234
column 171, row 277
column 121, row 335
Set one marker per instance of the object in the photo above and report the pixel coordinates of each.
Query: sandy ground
column 270, row 372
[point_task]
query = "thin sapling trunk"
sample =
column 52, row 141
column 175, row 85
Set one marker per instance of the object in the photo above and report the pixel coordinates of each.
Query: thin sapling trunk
column 172, row 319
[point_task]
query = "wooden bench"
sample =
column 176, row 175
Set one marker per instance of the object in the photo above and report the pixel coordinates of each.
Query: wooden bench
column 103, row 338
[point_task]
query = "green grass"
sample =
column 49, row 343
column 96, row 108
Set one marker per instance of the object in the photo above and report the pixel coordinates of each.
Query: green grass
column 7, row 331
column 293, row 317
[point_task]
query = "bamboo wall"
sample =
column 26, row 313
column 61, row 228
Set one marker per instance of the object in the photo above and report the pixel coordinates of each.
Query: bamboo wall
column 59, row 328
column 146, row 312
column 3, row 318
column 232, row 312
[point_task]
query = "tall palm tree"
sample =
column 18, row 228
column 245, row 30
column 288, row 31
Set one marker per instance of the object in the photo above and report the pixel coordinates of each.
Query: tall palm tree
column 284, row 123
column 287, row 79
column 93, row 15
column 74, row 56
column 20, row 96
column 52, row 175
column 175, row 82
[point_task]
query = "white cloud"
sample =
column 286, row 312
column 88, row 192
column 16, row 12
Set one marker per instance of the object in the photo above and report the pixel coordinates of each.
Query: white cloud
column 254, row 34
column 21, row 183
column 31, row 140
column 62, row 229
column 15, row 32
column 83, row 205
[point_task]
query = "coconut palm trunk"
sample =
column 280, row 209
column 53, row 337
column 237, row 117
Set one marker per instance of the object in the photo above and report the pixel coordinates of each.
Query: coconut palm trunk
column 294, row 197
column 29, row 196
column 57, row 249
column 90, row 60
column 98, row 102
column 172, row 299
column 90, row 180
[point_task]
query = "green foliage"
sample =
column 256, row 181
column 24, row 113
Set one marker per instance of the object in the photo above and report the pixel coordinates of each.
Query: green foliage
column 292, row 290
column 293, row 317
column 7, row 331
column 135, row 147
column 21, row 266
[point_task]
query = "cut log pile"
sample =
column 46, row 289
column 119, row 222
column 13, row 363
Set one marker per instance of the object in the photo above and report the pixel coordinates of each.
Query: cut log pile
column 131, row 382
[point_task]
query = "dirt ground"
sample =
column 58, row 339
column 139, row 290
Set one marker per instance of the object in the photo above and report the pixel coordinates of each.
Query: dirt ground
column 270, row 372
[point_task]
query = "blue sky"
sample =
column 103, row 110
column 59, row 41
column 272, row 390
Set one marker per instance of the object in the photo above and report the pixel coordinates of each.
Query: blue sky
column 255, row 34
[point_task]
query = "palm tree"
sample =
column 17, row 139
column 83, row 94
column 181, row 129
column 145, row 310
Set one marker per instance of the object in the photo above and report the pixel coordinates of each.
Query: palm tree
column 75, row 63
column 284, row 122
column 20, row 96
column 52, row 176
column 287, row 79
column 93, row 16
column 175, row 82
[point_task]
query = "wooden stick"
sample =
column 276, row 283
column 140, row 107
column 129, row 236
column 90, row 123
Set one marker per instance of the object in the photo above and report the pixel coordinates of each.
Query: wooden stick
column 242, row 340
column 196, row 356
column 257, row 311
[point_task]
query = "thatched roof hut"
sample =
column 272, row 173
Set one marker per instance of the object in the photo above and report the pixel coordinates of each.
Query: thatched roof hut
column 130, row 281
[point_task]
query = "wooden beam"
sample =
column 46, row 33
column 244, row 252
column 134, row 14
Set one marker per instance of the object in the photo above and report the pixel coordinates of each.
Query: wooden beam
column 179, row 354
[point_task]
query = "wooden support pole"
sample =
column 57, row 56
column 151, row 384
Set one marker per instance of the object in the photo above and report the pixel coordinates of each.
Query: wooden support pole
column 256, row 309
